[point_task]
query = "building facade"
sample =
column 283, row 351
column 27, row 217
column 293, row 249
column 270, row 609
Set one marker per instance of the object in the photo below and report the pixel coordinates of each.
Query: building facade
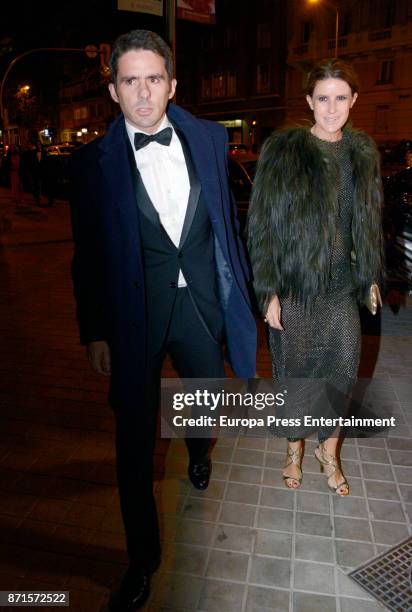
column 85, row 108
column 376, row 37
column 233, row 71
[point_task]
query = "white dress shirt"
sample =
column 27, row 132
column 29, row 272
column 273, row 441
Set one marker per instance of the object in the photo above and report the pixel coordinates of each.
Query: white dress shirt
column 166, row 179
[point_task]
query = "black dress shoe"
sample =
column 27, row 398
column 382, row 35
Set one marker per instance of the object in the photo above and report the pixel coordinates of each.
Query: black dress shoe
column 132, row 594
column 199, row 474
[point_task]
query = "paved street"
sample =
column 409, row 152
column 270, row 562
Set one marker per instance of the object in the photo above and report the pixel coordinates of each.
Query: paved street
column 245, row 544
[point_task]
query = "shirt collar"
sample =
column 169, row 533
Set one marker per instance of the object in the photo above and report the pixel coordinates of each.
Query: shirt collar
column 132, row 130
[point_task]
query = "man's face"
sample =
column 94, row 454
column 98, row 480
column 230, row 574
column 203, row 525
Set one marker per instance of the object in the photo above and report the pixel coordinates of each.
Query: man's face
column 142, row 89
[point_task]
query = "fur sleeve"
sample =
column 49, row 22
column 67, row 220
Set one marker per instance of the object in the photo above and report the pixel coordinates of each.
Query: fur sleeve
column 367, row 222
column 264, row 242
column 292, row 217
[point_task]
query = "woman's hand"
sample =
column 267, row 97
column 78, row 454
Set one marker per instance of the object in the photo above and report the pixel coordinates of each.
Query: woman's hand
column 273, row 313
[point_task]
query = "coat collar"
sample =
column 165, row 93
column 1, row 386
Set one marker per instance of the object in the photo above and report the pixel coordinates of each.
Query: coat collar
column 115, row 164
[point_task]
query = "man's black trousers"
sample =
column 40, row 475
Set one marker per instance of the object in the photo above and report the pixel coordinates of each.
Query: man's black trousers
column 195, row 354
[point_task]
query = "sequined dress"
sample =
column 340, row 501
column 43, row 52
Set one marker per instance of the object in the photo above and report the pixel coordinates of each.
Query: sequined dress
column 322, row 343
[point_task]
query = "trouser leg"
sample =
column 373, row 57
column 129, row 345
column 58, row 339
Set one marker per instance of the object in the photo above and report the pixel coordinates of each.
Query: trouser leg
column 135, row 443
column 195, row 354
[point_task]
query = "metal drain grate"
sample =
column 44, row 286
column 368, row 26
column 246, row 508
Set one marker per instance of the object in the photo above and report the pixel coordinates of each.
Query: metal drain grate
column 388, row 577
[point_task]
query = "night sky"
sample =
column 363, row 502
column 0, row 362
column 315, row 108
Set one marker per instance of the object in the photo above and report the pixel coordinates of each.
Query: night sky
column 28, row 24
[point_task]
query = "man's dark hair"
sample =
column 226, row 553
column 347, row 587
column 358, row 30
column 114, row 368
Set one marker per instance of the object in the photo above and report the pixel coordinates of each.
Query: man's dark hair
column 136, row 40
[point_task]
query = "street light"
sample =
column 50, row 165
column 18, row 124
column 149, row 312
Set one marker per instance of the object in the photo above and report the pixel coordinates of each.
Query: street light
column 336, row 23
column 91, row 51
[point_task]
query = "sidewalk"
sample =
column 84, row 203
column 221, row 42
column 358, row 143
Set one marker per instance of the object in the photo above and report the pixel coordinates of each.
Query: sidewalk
column 247, row 543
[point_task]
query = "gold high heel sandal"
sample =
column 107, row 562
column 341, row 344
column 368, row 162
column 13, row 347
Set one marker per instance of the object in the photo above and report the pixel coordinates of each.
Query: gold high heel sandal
column 293, row 457
column 328, row 465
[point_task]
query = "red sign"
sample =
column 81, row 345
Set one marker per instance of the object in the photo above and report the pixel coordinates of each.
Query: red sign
column 202, row 11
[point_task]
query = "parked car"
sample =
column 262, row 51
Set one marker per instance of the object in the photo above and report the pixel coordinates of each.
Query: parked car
column 56, row 171
column 60, row 149
column 394, row 159
column 237, row 148
column 241, row 175
column 398, row 226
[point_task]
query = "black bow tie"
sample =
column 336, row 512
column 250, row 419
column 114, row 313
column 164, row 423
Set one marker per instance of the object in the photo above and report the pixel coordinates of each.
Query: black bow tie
column 163, row 137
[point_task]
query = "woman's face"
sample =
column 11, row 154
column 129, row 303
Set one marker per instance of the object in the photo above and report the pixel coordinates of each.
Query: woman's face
column 331, row 102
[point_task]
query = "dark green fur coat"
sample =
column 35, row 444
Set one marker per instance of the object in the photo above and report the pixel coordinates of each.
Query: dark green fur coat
column 293, row 214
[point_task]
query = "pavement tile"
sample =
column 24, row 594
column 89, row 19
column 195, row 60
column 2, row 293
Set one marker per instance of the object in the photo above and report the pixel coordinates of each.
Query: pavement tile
column 274, row 519
column 349, row 605
column 219, row 595
column 386, row 511
column 277, row 498
column 189, row 531
column 352, row 554
column 350, row 506
column 375, row 471
column 242, row 493
column 274, row 543
column 313, row 524
column 313, row 502
column 314, row 548
column 305, row 602
column 245, row 474
column 270, row 572
column 316, row 577
column 196, row 508
column 233, row 537
column 237, row 514
column 389, row 533
column 260, row 599
column 227, row 565
column 352, row 529
column 248, row 457
column 184, row 558
column 403, row 474
column 51, row 510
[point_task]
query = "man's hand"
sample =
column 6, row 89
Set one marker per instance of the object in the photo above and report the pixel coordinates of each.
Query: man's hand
column 273, row 313
column 98, row 354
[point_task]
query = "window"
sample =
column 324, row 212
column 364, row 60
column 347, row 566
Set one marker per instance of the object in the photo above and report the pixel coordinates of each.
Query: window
column 219, row 85
column 388, row 14
column 364, row 15
column 96, row 110
column 386, row 72
column 231, row 89
column 382, row 119
column 205, row 88
column 230, row 37
column 305, row 32
column 80, row 113
column 345, row 25
column 263, row 78
column 264, row 35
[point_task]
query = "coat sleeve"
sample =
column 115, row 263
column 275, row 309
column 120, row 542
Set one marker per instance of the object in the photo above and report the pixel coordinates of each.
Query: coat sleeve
column 219, row 137
column 367, row 217
column 87, row 264
column 263, row 224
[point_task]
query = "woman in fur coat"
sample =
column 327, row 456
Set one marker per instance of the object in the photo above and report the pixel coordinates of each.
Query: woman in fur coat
column 314, row 234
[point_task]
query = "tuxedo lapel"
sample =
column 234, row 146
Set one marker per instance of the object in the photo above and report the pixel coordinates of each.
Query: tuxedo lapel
column 203, row 156
column 144, row 203
column 194, row 189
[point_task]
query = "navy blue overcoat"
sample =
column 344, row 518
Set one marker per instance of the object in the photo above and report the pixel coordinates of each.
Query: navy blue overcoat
column 107, row 265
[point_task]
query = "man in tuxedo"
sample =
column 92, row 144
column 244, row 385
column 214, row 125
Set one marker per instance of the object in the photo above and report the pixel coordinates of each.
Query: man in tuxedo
column 158, row 268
